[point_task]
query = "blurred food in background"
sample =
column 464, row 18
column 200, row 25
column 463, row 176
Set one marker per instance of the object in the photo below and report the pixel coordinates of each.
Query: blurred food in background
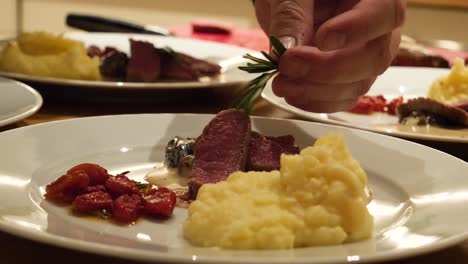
column 49, row 55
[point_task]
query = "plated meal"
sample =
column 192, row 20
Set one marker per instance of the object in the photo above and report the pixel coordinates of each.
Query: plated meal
column 275, row 199
column 446, row 105
column 410, row 102
column 117, row 60
column 48, row 55
column 258, row 191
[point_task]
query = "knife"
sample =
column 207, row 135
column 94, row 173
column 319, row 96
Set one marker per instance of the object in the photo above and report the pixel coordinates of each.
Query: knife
column 103, row 24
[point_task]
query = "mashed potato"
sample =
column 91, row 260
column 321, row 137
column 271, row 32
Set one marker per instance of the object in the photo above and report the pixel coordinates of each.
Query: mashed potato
column 317, row 198
column 452, row 88
column 44, row 54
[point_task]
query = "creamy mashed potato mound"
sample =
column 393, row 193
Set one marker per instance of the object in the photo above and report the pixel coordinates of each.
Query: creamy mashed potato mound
column 452, row 88
column 317, row 198
column 48, row 55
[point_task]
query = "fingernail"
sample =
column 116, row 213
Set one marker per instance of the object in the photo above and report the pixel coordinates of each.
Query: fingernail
column 334, row 40
column 288, row 41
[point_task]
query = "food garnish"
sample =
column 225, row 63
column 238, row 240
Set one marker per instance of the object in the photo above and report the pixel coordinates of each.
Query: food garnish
column 91, row 190
column 267, row 66
column 369, row 104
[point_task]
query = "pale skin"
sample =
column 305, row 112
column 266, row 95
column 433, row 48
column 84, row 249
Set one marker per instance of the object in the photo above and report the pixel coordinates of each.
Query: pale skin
column 336, row 48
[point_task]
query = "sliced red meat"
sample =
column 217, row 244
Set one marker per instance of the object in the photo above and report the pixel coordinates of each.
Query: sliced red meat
column 287, row 143
column 144, row 64
column 450, row 114
column 67, row 187
column 159, row 202
column 97, row 174
column 92, row 201
column 265, row 152
column 181, row 66
column 127, row 208
column 221, row 149
column 462, row 105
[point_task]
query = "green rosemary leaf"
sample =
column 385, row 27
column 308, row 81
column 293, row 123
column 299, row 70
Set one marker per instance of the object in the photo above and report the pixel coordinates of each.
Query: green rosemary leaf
column 270, row 59
column 143, row 187
column 258, row 60
column 257, row 69
column 269, row 67
column 277, row 46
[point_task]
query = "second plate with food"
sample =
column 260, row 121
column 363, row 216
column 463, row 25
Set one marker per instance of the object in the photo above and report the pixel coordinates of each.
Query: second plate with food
column 408, row 82
column 227, row 56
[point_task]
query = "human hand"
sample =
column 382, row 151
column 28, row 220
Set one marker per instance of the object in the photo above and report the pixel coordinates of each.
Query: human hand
column 336, row 48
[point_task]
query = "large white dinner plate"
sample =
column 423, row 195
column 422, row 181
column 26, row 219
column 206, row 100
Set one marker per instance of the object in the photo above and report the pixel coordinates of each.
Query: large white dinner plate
column 420, row 194
column 408, row 82
column 17, row 101
column 229, row 57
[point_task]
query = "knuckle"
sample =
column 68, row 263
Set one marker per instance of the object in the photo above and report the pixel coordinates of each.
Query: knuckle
column 400, row 12
column 289, row 12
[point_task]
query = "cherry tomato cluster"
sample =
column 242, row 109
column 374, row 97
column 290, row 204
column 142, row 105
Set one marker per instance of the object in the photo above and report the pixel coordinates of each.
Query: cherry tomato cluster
column 89, row 187
column 370, row 104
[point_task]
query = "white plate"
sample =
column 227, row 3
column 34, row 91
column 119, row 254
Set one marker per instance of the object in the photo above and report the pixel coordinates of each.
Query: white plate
column 408, row 82
column 17, row 101
column 228, row 56
column 420, row 194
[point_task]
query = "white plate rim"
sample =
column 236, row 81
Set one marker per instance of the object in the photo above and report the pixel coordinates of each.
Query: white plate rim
column 38, row 101
column 143, row 255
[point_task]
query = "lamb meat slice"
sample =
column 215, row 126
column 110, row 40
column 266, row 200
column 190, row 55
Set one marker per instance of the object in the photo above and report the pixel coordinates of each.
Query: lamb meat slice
column 175, row 69
column 144, row 64
column 220, row 150
column 203, row 67
column 443, row 114
column 265, row 152
column 287, row 143
column 180, row 66
column 462, row 104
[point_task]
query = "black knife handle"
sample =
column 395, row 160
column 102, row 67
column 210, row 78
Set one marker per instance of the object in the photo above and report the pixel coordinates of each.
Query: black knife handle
column 102, row 24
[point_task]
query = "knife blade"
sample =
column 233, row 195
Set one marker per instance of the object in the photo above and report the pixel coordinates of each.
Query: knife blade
column 92, row 23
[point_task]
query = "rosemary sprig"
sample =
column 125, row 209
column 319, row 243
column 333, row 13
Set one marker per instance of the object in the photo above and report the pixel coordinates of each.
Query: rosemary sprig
column 143, row 187
column 268, row 66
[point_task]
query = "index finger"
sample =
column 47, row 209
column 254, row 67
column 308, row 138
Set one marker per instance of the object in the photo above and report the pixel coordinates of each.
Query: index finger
column 367, row 20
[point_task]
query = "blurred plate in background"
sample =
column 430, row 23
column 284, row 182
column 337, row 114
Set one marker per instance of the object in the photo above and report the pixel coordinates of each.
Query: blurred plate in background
column 17, row 101
column 227, row 56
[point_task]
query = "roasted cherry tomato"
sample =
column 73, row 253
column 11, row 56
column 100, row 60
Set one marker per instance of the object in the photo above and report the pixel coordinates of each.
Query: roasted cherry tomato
column 127, row 208
column 97, row 174
column 67, row 187
column 92, row 201
column 159, row 201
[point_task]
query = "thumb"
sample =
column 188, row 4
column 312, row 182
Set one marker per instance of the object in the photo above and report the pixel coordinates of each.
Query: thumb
column 291, row 21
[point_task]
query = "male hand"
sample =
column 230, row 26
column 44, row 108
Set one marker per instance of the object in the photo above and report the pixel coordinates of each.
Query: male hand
column 336, row 48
